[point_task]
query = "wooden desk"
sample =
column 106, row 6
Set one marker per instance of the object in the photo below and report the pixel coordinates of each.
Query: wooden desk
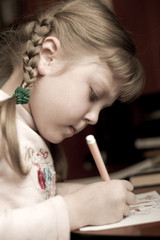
column 148, row 230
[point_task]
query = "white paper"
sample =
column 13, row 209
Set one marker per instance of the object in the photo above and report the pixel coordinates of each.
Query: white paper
column 146, row 210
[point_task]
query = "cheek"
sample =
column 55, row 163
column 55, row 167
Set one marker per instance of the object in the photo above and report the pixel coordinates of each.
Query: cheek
column 75, row 106
column 57, row 102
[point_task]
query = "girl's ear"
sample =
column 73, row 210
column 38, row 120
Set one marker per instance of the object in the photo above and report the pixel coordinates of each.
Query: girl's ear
column 50, row 47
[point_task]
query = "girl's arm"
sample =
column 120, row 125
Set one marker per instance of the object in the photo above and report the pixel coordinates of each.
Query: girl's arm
column 47, row 220
column 68, row 188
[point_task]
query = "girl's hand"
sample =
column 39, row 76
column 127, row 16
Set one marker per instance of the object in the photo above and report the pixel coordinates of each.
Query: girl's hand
column 100, row 203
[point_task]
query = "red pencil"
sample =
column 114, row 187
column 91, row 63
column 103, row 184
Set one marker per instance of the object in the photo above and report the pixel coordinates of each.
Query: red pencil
column 97, row 157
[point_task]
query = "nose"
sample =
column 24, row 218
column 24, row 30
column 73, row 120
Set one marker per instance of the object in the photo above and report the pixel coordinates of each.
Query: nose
column 91, row 117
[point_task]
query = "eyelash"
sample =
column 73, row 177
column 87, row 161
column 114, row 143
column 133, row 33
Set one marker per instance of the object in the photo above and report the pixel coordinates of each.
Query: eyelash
column 93, row 96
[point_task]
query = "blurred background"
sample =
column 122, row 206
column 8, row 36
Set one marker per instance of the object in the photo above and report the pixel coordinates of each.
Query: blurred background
column 126, row 133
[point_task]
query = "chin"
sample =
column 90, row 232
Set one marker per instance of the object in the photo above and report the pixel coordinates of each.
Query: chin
column 52, row 139
column 56, row 141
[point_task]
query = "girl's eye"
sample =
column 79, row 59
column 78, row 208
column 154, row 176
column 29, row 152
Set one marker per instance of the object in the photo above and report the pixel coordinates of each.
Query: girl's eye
column 93, row 96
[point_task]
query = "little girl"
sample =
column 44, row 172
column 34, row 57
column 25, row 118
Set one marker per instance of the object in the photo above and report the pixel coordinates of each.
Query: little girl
column 59, row 69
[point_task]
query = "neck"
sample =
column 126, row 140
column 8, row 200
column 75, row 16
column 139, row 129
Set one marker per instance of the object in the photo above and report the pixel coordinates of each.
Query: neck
column 13, row 82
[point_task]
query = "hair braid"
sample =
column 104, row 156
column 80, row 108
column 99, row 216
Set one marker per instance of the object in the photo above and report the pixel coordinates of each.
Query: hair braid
column 41, row 30
column 35, row 38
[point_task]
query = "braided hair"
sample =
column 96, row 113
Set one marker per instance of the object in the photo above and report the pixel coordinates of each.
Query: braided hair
column 40, row 30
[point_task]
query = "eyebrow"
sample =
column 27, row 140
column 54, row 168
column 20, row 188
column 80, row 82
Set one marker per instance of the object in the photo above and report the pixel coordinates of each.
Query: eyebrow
column 112, row 99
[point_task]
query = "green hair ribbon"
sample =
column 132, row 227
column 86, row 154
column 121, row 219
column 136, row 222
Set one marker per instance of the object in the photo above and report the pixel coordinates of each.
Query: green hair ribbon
column 22, row 95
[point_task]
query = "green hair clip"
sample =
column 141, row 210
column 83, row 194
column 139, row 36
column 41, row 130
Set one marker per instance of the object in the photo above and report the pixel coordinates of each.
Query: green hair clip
column 22, row 95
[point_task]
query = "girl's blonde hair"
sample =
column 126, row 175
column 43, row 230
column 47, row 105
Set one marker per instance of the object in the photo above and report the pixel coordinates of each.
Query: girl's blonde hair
column 82, row 27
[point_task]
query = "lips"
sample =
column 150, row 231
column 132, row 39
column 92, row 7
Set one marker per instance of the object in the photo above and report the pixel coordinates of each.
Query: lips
column 72, row 130
column 77, row 130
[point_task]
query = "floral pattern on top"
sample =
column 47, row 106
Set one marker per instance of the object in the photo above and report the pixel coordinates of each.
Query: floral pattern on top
column 43, row 170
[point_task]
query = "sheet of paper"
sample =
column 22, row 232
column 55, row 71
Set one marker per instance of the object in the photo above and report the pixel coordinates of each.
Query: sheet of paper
column 146, row 210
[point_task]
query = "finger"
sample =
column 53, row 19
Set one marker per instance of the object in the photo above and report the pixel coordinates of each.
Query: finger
column 131, row 198
column 126, row 211
column 128, row 185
